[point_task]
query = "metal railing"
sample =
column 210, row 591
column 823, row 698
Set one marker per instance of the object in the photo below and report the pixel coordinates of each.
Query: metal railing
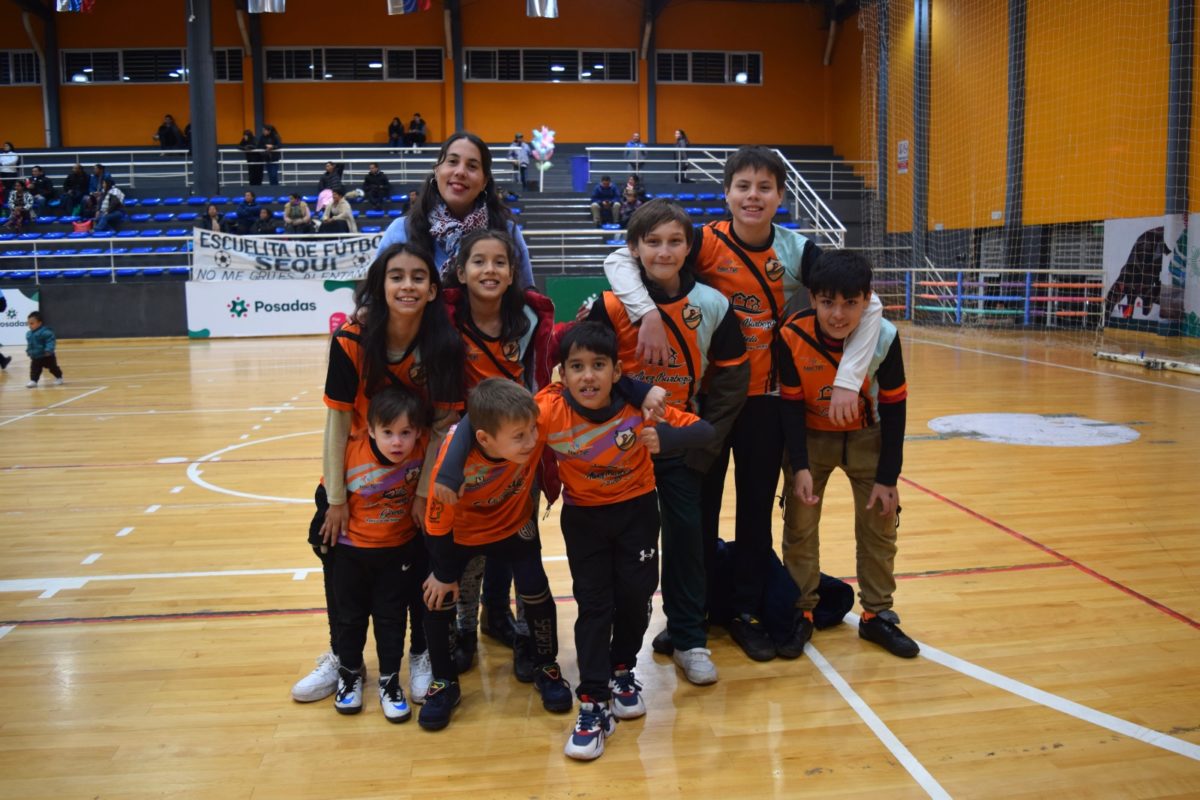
column 126, row 166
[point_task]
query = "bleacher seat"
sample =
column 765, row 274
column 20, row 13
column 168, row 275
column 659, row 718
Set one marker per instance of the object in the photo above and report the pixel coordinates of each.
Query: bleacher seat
column 150, row 232
column 516, row 211
column 374, row 214
column 48, row 274
column 220, row 201
column 152, row 271
column 706, row 197
column 139, row 217
column 663, row 195
column 17, row 253
column 127, row 272
column 714, row 211
column 172, row 201
column 140, row 251
column 92, row 251
column 167, row 248
column 781, row 211
column 100, row 272
column 55, row 235
column 790, row 225
column 103, row 234
column 55, row 203
column 79, row 234
column 615, row 242
column 163, row 217
column 19, row 274
column 178, row 232
column 685, row 196
column 187, row 216
column 44, row 220
column 398, row 198
column 151, row 201
column 395, row 213
column 127, row 234
column 197, row 201
column 695, row 211
column 265, row 198
column 131, row 202
column 309, row 198
column 26, row 237
column 74, row 273
column 179, row 271
column 370, row 229
column 4, row 237
column 119, row 251
column 62, row 251
column 610, row 226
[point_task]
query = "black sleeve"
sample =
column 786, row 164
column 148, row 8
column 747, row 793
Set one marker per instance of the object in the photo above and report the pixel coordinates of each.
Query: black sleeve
column 892, row 420
column 795, row 433
column 720, row 407
column 727, row 341
column 671, row 438
column 341, row 379
column 807, row 259
column 441, row 555
column 635, row 391
column 450, row 474
column 890, row 375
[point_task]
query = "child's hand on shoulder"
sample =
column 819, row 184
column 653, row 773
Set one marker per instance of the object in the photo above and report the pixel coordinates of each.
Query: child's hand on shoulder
column 649, row 439
column 654, row 406
column 888, row 497
column 804, row 487
column 652, row 346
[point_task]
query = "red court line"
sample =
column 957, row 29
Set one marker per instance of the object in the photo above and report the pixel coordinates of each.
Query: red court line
column 1056, row 554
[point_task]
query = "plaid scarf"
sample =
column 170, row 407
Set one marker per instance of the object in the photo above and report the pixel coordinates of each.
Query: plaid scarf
column 447, row 231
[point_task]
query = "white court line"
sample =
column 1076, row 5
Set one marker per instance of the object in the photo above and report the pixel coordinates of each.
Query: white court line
column 5, row 629
column 92, row 559
column 877, row 726
column 152, row 509
column 1053, row 701
column 1085, row 370
column 124, row 531
column 177, row 490
column 164, row 412
column 53, row 405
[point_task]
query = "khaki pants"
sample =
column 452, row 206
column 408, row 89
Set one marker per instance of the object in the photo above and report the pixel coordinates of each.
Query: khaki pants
column 857, row 453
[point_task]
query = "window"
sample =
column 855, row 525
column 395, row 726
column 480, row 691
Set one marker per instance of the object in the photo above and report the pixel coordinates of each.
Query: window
column 19, row 67
column 709, row 67
column 152, row 66
column 355, row 64
column 537, row 65
column 227, row 65
column 144, row 65
column 83, row 66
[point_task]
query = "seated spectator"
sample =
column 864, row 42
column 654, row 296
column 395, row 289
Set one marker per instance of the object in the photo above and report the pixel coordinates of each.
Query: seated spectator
column 415, row 137
column 331, row 177
column 212, row 220
column 634, row 182
column 338, row 218
column 111, row 211
column 75, row 190
column 376, row 188
column 629, row 203
column 20, row 208
column 296, row 216
column 604, row 197
column 169, row 137
column 96, row 189
column 395, row 132
column 40, row 187
column 247, row 213
column 265, row 224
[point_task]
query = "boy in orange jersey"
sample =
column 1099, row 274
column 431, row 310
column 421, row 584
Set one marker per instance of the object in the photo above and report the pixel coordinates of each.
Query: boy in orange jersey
column 869, row 450
column 381, row 557
column 494, row 517
column 759, row 267
column 705, row 345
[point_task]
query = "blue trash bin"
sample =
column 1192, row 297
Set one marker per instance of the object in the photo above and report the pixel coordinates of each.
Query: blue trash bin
column 579, row 173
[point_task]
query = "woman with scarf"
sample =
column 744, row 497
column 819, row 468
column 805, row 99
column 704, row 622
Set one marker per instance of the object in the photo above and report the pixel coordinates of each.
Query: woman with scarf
column 460, row 196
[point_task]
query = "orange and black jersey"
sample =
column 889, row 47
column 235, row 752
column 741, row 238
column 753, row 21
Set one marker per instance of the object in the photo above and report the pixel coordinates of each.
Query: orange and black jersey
column 702, row 329
column 489, row 357
column 758, row 282
column 807, row 373
column 345, row 383
column 380, row 494
column 600, row 457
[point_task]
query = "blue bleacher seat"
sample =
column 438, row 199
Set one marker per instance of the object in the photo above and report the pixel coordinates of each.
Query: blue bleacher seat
column 395, row 213
column 220, row 201
column 48, row 274
column 610, row 226
column 151, row 201
column 790, row 225
column 67, row 220
column 151, row 232
column 197, row 201
column 100, row 272
column 309, row 198
column 92, row 251
column 516, row 211
column 17, row 253
column 62, row 251
column 129, row 234
column 152, row 271
column 706, row 197
column 29, row 236
column 55, row 235
column 664, row 195
column 695, row 211
column 131, row 202
column 178, row 232
column 265, row 198
column 685, row 196
column 172, row 201
column 139, row 217
column 370, row 229
column 119, row 251
column 714, row 211
column 167, row 248
column 231, row 215
column 4, row 237
column 398, row 198
column 164, row 217
column 354, row 212
column 74, row 273
column 616, row 242
column 187, row 216
column 127, row 272
column 374, row 214
column 103, row 234
column 19, row 274
column 179, row 271
column 140, row 251
column 781, row 211
column 277, row 215
column 55, row 203
column 44, row 220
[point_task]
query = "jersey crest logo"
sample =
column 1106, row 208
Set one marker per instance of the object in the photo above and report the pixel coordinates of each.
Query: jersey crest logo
column 417, row 374
column 745, row 303
column 625, row 439
column 773, row 268
column 692, row 316
column 512, row 351
column 412, row 474
column 673, row 359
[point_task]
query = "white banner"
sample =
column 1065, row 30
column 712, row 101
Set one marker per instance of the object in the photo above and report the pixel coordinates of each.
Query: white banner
column 1136, row 254
column 15, row 305
column 257, row 308
column 224, row 257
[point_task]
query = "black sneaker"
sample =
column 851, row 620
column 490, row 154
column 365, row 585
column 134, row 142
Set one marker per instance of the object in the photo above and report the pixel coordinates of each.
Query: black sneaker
column 751, row 635
column 498, row 623
column 5, row 361
column 524, row 669
column 465, row 646
column 440, row 701
column 554, row 689
column 662, row 643
column 800, row 633
column 888, row 636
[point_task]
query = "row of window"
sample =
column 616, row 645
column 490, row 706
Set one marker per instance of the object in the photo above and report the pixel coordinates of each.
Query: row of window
column 524, row 65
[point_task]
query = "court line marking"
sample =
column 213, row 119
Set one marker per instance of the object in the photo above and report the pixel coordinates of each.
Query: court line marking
column 5, row 630
column 125, row 531
column 52, row 405
column 1056, row 554
column 193, row 470
column 1028, row 360
column 877, row 726
column 1141, row 733
column 153, row 508
column 92, row 559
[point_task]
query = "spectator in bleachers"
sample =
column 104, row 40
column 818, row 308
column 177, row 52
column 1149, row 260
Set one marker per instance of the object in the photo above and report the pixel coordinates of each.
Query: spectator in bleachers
column 681, row 142
column 265, row 224
column 518, row 156
column 296, row 216
column 96, row 189
column 254, row 157
column 416, row 131
column 331, row 177
column 75, row 189
column 40, row 187
column 212, row 220
column 20, row 208
column 376, row 187
column 247, row 213
column 338, row 218
column 169, row 137
column 635, row 182
column 10, row 165
column 395, row 132
column 111, row 212
column 604, row 198
column 633, row 153
column 630, row 201
column 270, row 143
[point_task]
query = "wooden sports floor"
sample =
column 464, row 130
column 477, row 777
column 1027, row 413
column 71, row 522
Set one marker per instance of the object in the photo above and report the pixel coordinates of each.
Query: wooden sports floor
column 157, row 601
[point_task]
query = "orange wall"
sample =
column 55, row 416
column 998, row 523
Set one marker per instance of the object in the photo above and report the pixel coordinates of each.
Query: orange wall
column 843, row 77
column 968, row 113
column 1096, row 111
column 900, row 114
column 21, row 119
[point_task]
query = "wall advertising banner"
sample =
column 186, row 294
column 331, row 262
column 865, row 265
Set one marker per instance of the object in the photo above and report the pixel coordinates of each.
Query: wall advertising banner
column 267, row 308
column 15, row 305
column 1140, row 290
column 223, row 257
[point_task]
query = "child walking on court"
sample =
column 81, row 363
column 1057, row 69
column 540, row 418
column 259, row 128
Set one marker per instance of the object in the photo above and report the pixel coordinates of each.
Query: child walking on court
column 381, row 558
column 869, row 449
column 40, row 347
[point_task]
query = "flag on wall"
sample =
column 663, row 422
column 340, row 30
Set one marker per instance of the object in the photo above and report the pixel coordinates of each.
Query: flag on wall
column 75, row 5
column 541, row 8
column 266, row 6
column 407, row 6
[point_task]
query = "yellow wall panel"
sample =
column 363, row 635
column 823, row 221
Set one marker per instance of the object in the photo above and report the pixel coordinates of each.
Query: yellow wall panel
column 900, row 114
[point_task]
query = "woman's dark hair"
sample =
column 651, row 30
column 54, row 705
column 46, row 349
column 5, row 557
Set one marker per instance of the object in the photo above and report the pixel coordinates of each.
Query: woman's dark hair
column 513, row 322
column 428, row 197
column 395, row 121
column 439, row 343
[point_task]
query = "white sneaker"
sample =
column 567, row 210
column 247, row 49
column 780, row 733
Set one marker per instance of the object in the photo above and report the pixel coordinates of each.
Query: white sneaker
column 697, row 665
column 320, row 683
column 58, row 381
column 349, row 697
column 420, row 675
column 31, row 385
column 594, row 725
column 627, row 700
column 391, row 698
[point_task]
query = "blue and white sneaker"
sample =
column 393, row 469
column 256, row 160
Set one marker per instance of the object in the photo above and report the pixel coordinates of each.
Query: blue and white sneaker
column 348, row 698
column 626, row 694
column 554, row 689
column 391, row 698
column 593, row 726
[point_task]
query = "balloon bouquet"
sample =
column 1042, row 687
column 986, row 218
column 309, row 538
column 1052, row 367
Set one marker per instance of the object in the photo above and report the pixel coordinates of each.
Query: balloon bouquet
column 543, row 151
